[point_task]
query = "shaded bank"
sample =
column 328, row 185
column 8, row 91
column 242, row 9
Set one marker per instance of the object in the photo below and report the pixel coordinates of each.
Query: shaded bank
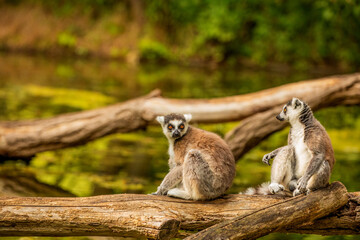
column 276, row 34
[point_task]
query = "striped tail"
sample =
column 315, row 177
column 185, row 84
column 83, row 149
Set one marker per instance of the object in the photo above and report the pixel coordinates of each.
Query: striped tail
column 263, row 189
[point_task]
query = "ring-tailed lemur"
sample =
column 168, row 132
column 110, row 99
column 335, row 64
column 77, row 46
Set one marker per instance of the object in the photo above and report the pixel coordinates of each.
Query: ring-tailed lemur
column 306, row 163
column 202, row 165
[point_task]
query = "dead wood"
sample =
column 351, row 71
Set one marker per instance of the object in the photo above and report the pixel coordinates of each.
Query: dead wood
column 23, row 139
column 252, row 130
column 288, row 213
column 345, row 221
column 161, row 217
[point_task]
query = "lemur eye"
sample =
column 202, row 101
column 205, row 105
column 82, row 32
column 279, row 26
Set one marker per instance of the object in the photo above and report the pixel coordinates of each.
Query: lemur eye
column 181, row 126
column 285, row 109
column 170, row 127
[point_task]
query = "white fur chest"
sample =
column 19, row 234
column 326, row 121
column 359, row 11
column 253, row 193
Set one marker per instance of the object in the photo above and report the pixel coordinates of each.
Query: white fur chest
column 302, row 152
column 171, row 154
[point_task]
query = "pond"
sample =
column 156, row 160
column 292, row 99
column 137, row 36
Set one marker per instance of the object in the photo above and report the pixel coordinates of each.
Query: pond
column 39, row 87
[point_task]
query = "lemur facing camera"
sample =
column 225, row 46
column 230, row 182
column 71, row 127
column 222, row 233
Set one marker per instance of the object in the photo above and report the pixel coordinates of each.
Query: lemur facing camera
column 305, row 164
column 202, row 165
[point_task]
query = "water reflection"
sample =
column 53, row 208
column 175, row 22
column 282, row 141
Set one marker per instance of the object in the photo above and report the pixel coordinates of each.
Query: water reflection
column 36, row 87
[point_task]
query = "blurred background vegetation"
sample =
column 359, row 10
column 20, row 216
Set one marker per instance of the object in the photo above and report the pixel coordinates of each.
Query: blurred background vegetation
column 278, row 33
column 63, row 56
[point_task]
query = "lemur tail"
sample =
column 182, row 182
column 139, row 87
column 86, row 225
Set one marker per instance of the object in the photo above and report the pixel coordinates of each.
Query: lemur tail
column 263, row 189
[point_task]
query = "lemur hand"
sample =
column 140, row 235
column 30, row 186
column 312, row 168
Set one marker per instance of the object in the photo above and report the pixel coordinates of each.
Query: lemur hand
column 301, row 187
column 266, row 159
column 160, row 191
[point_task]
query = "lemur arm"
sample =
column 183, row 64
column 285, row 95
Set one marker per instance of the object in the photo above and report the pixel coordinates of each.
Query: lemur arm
column 311, row 169
column 172, row 163
column 267, row 157
column 173, row 178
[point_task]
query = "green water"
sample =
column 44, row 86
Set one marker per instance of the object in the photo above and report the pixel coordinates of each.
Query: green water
column 37, row 87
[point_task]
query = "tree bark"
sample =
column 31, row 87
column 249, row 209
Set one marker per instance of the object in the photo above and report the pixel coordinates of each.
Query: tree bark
column 252, row 130
column 23, row 139
column 288, row 213
column 161, row 217
column 337, row 223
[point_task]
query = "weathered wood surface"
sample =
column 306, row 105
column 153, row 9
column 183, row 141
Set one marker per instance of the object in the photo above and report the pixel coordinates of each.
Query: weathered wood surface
column 150, row 216
column 252, row 130
column 290, row 212
column 23, row 139
column 345, row 221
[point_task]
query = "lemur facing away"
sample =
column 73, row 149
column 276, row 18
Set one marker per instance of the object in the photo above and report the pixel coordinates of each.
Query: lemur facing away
column 201, row 163
column 305, row 164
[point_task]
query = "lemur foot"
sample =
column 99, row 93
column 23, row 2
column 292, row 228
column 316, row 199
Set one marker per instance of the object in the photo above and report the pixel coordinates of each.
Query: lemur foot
column 275, row 188
column 266, row 159
column 298, row 192
column 301, row 185
column 160, row 191
column 292, row 185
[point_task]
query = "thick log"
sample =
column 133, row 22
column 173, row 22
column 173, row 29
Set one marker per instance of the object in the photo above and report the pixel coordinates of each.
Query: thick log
column 345, row 221
column 23, row 139
column 131, row 215
column 290, row 212
column 21, row 183
column 252, row 130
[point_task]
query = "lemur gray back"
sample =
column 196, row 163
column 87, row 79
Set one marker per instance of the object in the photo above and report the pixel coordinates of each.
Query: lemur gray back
column 222, row 159
column 315, row 134
column 202, row 165
column 305, row 164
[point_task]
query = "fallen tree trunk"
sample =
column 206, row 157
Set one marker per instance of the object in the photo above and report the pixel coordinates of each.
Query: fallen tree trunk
column 159, row 217
column 23, row 139
column 252, row 130
column 337, row 223
column 290, row 212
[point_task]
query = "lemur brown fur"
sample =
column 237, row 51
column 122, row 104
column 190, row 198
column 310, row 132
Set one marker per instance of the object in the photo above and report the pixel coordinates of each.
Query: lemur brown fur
column 201, row 164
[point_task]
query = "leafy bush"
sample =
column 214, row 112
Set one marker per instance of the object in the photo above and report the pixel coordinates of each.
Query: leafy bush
column 66, row 39
column 151, row 50
column 294, row 32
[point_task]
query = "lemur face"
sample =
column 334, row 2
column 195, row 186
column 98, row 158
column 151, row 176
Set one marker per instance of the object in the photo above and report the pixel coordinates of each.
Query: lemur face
column 174, row 125
column 291, row 110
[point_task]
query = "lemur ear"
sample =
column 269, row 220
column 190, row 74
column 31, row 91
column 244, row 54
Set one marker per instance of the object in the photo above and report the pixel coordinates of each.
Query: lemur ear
column 160, row 119
column 297, row 103
column 188, row 117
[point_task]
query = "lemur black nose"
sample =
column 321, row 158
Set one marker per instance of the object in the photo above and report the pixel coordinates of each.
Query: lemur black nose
column 279, row 118
column 176, row 134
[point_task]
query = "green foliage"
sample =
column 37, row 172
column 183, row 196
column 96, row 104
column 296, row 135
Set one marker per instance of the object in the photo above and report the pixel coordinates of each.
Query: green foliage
column 89, row 7
column 296, row 32
column 151, row 50
column 66, row 39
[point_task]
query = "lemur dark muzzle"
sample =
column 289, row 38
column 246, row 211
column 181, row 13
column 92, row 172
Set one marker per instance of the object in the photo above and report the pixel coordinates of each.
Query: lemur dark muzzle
column 279, row 118
column 176, row 134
